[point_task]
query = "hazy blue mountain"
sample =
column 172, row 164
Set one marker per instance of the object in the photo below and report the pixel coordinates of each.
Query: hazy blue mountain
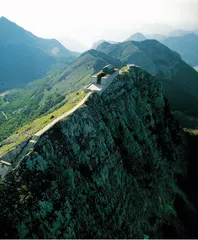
column 186, row 46
column 159, row 28
column 158, row 37
column 180, row 80
column 178, row 33
column 136, row 37
column 25, row 57
column 96, row 44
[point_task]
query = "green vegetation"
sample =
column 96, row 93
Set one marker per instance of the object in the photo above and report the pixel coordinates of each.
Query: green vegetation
column 29, row 109
column 29, row 129
column 38, row 98
column 191, row 132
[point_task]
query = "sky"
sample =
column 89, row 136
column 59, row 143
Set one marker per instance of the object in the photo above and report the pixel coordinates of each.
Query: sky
column 89, row 20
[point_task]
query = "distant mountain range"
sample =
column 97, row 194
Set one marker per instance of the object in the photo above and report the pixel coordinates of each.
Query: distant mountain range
column 96, row 44
column 136, row 37
column 141, row 37
column 25, row 57
column 158, row 28
column 183, row 42
column 178, row 33
column 186, row 45
column 158, row 37
column 180, row 80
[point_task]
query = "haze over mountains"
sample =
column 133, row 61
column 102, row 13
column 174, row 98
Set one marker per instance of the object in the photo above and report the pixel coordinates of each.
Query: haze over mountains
column 183, row 42
column 186, row 45
column 73, row 44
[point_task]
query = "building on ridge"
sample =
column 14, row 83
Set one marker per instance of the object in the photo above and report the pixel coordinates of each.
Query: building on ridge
column 105, row 76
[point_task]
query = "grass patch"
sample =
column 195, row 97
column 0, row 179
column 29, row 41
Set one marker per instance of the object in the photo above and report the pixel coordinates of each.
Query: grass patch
column 192, row 132
column 28, row 130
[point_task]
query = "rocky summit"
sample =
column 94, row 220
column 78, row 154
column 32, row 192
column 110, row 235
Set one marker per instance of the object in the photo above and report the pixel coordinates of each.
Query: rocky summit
column 106, row 171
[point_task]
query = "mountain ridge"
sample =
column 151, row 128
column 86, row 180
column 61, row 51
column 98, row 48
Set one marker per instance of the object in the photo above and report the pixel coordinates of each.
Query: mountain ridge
column 186, row 46
column 25, row 57
column 168, row 66
column 136, row 37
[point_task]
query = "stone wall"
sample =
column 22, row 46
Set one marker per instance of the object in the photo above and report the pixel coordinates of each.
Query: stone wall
column 94, row 79
column 107, row 81
column 11, row 157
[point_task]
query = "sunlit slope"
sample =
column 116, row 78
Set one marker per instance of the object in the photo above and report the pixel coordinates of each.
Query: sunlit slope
column 40, row 97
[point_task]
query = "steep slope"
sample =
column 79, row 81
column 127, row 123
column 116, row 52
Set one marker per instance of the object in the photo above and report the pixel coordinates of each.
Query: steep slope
column 106, row 171
column 40, row 97
column 92, row 60
column 25, row 57
column 186, row 46
column 136, row 37
column 179, row 79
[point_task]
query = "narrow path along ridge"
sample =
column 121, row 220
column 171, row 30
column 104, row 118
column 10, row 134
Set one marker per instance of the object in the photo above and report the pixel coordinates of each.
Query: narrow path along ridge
column 30, row 144
column 37, row 135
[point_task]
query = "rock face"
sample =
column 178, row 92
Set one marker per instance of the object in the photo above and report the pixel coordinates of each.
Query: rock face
column 106, row 171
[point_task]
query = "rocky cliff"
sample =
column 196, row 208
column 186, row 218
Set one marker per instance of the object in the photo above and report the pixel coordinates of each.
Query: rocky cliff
column 106, row 171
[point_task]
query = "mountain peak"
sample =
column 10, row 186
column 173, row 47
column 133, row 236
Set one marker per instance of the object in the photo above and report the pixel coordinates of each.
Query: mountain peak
column 4, row 18
column 137, row 37
column 98, row 43
column 6, row 21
